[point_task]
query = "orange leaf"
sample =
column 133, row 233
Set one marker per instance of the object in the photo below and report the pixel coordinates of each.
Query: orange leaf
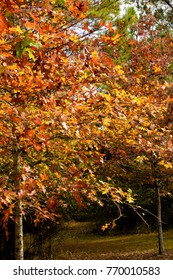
column 3, row 24
column 37, row 147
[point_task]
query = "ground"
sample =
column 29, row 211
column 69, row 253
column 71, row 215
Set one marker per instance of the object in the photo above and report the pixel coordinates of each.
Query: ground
column 77, row 242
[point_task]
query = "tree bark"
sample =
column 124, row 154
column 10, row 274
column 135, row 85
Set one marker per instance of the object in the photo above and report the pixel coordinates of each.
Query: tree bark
column 19, row 251
column 159, row 222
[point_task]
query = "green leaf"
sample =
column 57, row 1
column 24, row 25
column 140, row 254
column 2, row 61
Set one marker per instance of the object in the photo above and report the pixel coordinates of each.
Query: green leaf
column 30, row 53
column 19, row 50
column 32, row 43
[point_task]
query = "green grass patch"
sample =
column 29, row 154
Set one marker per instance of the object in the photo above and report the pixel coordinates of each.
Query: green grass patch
column 136, row 246
column 77, row 242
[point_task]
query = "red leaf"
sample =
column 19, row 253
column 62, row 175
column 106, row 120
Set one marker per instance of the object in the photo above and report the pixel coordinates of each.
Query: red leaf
column 37, row 147
column 78, row 198
column 52, row 203
column 37, row 121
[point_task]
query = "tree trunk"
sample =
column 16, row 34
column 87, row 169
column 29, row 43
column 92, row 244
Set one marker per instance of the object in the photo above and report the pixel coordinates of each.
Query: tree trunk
column 19, row 252
column 159, row 222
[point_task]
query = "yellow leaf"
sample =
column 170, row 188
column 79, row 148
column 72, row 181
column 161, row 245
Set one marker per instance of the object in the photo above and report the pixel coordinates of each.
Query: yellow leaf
column 64, row 59
column 2, row 69
column 13, row 66
column 115, row 39
column 167, row 165
column 63, row 79
column 82, row 107
column 130, row 199
column 108, row 97
column 119, row 70
column 95, row 54
column 156, row 68
column 39, row 184
column 57, row 175
column 74, row 38
column 16, row 29
column 2, row 41
column 140, row 159
column 106, row 121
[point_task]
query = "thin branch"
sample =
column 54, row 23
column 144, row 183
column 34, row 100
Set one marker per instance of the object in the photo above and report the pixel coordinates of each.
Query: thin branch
column 168, row 3
column 135, row 207
column 119, row 211
column 140, row 216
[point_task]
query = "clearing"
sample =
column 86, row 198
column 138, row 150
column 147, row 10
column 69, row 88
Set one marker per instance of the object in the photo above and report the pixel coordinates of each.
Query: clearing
column 76, row 242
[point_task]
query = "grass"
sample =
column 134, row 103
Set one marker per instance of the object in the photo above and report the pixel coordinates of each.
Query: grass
column 75, row 242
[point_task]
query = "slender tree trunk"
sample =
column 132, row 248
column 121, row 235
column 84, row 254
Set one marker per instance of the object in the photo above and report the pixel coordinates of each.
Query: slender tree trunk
column 19, row 255
column 159, row 216
column 154, row 162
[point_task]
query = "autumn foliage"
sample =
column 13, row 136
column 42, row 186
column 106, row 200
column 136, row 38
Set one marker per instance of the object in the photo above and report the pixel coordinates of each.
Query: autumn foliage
column 73, row 111
column 49, row 76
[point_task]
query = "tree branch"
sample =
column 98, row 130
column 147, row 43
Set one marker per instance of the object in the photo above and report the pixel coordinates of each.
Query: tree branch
column 168, row 3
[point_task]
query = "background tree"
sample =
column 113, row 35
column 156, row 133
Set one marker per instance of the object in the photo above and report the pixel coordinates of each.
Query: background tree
column 146, row 106
column 162, row 10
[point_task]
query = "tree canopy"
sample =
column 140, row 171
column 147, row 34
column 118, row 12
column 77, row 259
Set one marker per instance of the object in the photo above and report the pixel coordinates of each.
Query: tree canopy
column 85, row 94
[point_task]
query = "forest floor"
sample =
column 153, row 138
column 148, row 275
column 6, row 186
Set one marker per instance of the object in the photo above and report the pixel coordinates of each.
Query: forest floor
column 77, row 243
